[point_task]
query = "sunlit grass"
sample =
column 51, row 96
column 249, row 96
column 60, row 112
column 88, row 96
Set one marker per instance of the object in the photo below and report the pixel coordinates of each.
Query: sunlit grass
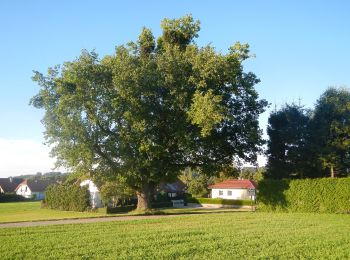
column 31, row 211
column 201, row 236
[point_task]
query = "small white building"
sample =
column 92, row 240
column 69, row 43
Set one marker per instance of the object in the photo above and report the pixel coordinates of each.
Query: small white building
column 33, row 189
column 95, row 196
column 233, row 189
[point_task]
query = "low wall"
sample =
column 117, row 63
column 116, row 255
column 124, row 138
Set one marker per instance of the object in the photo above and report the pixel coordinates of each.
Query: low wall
column 217, row 206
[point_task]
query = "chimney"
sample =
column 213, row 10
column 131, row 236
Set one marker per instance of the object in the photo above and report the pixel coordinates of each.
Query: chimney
column 10, row 178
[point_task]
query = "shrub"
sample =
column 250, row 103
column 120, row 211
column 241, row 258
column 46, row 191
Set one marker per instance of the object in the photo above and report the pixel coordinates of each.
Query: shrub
column 11, row 197
column 218, row 201
column 307, row 195
column 122, row 209
column 161, row 204
column 67, row 197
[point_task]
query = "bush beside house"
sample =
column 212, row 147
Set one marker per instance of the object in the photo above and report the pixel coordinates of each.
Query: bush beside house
column 12, row 197
column 67, row 197
column 327, row 195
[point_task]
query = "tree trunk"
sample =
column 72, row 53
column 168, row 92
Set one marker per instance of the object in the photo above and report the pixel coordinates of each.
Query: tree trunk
column 332, row 172
column 144, row 197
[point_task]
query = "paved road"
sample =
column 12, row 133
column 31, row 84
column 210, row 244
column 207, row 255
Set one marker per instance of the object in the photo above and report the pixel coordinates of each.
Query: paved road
column 83, row 220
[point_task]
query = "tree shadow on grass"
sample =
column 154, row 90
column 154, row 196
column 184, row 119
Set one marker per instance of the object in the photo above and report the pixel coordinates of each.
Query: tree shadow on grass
column 271, row 195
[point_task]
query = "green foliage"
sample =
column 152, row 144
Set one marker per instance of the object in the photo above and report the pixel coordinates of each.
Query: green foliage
column 196, row 182
column 116, row 193
column 162, row 204
column 146, row 42
column 10, row 197
column 200, row 236
column 74, row 177
column 180, row 31
column 307, row 195
column 252, row 173
column 288, row 132
column 149, row 111
column 67, row 197
column 313, row 143
column 206, row 111
column 226, row 173
column 122, row 209
column 330, row 128
column 219, row 201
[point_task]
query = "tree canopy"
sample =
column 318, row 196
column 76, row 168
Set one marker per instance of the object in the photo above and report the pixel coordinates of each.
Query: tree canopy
column 152, row 108
column 287, row 130
column 314, row 143
column 330, row 127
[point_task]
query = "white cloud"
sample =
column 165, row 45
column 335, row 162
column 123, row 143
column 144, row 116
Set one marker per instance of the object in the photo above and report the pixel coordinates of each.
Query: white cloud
column 24, row 157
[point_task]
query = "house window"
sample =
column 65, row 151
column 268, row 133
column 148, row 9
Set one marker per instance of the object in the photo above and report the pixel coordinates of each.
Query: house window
column 229, row 193
column 172, row 194
column 221, row 192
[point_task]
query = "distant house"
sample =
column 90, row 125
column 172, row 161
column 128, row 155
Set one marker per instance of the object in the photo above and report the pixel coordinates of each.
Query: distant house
column 95, row 196
column 8, row 185
column 174, row 189
column 233, row 189
column 34, row 189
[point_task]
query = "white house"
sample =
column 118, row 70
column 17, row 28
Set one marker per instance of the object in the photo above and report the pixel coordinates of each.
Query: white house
column 233, row 189
column 34, row 189
column 95, row 196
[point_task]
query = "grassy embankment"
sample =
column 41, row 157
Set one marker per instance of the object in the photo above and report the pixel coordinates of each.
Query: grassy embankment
column 202, row 236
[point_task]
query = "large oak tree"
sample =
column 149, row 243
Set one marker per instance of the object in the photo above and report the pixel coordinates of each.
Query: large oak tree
column 152, row 109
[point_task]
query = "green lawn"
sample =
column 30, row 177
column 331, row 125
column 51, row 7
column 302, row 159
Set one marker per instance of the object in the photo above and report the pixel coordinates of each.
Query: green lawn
column 203, row 236
column 30, row 211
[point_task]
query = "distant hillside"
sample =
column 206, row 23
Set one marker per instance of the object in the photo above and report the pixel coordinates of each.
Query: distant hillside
column 54, row 176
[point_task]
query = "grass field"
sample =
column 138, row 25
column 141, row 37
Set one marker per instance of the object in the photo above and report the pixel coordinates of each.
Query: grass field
column 211, row 236
column 30, row 211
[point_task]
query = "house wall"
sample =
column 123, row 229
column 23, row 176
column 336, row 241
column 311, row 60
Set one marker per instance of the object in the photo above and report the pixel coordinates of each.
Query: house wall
column 39, row 195
column 237, row 194
column 95, row 196
column 24, row 191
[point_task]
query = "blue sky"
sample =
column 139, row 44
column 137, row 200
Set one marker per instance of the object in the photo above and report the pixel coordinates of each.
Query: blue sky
column 301, row 47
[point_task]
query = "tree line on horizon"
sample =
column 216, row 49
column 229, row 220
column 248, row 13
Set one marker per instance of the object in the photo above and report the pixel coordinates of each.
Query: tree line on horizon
column 311, row 143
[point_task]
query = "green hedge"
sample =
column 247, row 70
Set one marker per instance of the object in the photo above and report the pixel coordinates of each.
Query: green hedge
column 161, row 204
column 306, row 195
column 111, row 210
column 10, row 197
column 67, row 197
column 219, row 201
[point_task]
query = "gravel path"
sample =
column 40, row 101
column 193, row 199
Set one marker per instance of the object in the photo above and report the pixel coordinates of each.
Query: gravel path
column 83, row 220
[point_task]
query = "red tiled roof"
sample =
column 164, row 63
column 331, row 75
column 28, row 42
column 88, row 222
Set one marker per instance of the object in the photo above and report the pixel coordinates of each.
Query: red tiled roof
column 235, row 184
